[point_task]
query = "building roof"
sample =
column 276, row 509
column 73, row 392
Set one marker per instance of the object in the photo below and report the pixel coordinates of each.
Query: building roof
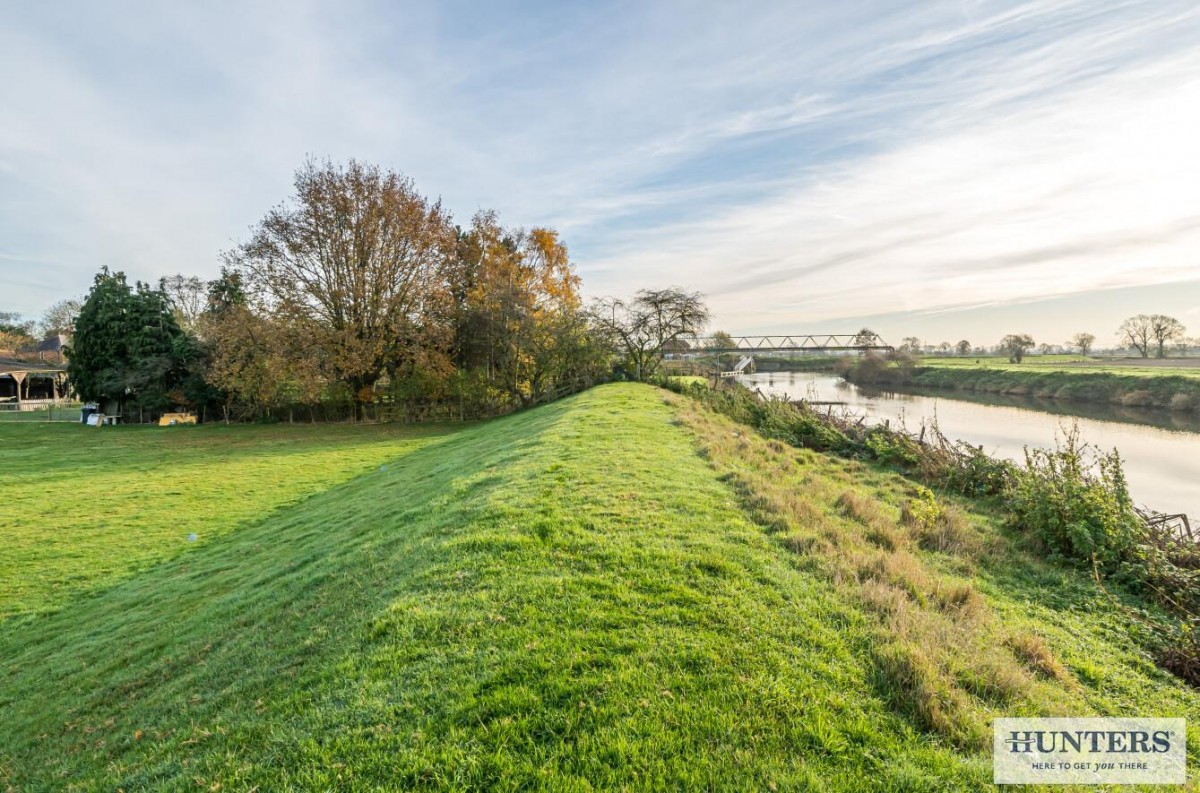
column 10, row 366
column 53, row 343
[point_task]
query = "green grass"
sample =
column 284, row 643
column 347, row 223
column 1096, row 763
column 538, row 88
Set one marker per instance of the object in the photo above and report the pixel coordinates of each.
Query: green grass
column 1075, row 364
column 86, row 507
column 612, row 591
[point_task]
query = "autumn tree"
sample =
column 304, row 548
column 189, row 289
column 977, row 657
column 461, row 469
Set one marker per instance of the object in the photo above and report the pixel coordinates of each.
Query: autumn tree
column 1016, row 345
column 255, row 363
column 355, row 265
column 640, row 329
column 518, row 320
column 15, row 333
column 1083, row 342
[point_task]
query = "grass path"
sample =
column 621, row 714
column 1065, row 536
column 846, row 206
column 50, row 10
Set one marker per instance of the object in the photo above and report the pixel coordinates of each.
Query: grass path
column 570, row 598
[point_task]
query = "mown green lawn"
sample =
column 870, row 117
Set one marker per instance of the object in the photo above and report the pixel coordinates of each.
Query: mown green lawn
column 579, row 597
column 86, row 507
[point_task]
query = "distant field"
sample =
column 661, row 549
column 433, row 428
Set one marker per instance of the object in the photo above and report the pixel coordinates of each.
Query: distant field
column 1182, row 367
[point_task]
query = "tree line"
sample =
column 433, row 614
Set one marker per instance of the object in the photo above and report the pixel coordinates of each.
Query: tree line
column 1144, row 334
column 359, row 291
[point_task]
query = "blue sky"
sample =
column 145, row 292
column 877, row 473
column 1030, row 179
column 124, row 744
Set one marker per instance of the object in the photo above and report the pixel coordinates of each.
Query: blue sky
column 937, row 169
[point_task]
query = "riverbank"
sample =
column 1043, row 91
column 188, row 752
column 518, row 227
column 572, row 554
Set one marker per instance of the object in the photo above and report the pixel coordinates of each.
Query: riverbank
column 622, row 589
column 1165, row 388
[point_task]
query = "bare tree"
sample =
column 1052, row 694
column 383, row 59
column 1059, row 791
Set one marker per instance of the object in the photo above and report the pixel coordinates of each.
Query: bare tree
column 1136, row 332
column 60, row 317
column 356, row 259
column 910, row 344
column 963, row 347
column 655, row 319
column 188, row 296
column 1016, row 345
column 1083, row 342
column 1164, row 330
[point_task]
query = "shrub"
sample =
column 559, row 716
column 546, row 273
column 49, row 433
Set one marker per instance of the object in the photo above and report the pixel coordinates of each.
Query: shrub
column 1183, row 401
column 1139, row 399
column 976, row 473
column 798, row 425
column 1180, row 653
column 921, row 512
column 893, row 448
column 1076, row 500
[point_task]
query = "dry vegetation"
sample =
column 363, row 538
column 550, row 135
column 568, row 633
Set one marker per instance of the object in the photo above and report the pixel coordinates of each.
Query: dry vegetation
column 943, row 658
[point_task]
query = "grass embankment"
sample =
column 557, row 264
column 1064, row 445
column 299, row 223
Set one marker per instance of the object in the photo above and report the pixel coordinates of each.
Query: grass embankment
column 571, row 598
column 1169, row 387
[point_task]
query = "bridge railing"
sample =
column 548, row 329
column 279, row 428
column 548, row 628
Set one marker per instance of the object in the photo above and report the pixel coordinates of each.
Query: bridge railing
column 815, row 342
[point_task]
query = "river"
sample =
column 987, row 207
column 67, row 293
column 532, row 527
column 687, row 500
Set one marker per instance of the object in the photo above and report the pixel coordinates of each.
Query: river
column 1161, row 450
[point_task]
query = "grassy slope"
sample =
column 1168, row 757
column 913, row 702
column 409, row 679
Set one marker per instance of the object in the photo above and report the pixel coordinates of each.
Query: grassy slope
column 87, row 507
column 570, row 597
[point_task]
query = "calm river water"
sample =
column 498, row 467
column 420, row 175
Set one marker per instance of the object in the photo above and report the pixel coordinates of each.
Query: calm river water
column 1161, row 450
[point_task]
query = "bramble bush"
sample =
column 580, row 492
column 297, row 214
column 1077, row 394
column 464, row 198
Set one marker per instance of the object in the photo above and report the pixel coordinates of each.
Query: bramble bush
column 1076, row 500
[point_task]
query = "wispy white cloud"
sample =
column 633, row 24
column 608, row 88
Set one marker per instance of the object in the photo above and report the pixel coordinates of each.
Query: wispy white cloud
column 801, row 163
column 1020, row 177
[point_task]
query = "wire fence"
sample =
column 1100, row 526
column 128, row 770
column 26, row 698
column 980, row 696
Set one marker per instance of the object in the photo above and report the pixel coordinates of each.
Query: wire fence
column 39, row 411
column 405, row 412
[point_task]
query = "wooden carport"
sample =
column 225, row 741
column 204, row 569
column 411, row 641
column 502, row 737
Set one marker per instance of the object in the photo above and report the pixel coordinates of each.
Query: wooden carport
column 28, row 382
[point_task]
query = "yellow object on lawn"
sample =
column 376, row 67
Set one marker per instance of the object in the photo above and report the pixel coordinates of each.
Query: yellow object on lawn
column 171, row 419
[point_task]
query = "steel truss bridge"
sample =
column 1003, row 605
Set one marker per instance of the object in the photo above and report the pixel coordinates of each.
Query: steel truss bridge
column 807, row 343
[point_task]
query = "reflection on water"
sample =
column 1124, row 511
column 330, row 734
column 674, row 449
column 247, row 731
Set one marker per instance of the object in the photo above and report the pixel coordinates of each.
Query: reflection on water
column 1161, row 449
column 1150, row 417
